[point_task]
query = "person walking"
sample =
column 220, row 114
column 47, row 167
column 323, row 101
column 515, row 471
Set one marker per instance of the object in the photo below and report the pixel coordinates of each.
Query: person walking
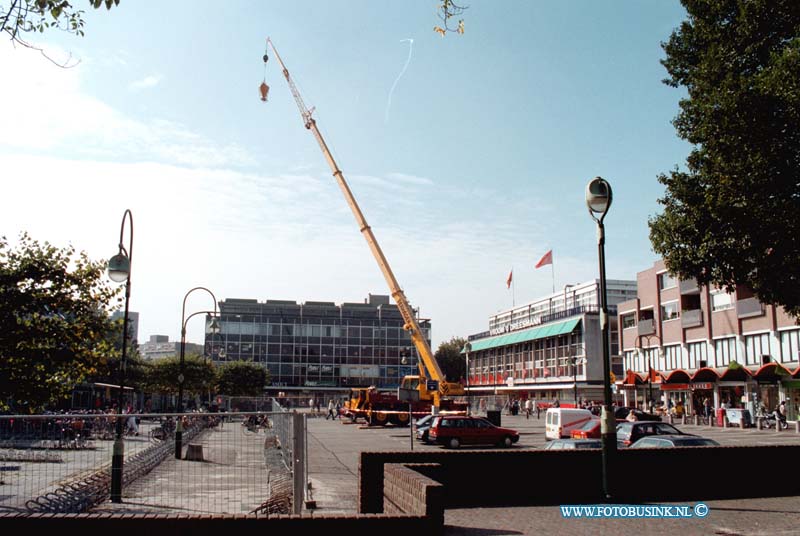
column 331, row 407
column 780, row 414
column 528, row 408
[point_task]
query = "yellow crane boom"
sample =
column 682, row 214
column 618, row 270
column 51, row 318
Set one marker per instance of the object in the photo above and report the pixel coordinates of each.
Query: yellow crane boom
column 410, row 320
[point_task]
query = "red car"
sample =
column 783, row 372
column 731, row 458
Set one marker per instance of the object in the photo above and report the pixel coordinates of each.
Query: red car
column 590, row 430
column 453, row 431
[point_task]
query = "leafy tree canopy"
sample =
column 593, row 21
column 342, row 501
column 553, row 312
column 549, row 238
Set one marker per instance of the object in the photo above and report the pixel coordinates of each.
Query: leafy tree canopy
column 451, row 360
column 54, row 322
column 732, row 218
column 162, row 375
column 240, row 378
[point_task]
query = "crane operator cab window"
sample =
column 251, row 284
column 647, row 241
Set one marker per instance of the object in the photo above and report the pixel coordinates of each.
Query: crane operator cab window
column 411, row 383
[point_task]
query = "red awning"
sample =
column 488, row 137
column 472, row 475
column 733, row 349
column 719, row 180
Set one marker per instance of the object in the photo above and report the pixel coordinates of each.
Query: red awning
column 678, row 376
column 705, row 374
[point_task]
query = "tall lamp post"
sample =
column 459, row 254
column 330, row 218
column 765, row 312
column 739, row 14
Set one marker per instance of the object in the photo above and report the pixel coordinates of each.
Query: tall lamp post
column 598, row 201
column 467, row 350
column 649, row 364
column 181, row 376
column 119, row 270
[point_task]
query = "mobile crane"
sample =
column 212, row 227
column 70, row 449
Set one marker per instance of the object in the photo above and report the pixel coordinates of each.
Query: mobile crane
column 374, row 406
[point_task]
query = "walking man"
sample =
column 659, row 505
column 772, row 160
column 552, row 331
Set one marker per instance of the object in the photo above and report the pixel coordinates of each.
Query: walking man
column 330, row 414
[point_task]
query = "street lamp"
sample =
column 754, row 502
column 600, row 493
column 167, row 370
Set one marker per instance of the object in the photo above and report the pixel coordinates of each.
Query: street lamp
column 649, row 364
column 598, row 201
column 119, row 270
column 181, row 376
column 467, row 350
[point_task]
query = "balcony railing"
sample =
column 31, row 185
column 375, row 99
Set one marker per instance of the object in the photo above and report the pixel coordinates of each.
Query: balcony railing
column 692, row 318
column 749, row 307
column 689, row 286
column 646, row 327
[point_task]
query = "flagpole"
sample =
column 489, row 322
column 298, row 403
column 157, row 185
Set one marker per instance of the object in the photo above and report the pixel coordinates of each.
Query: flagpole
column 513, row 292
column 553, row 272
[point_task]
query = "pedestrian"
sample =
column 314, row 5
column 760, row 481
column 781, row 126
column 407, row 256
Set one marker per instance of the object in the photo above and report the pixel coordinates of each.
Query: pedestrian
column 528, row 408
column 631, row 417
column 331, row 407
column 538, row 410
column 338, row 409
column 780, row 415
column 707, row 407
column 556, row 403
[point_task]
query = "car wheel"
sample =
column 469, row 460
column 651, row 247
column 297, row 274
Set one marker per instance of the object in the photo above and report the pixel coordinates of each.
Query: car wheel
column 453, row 443
column 507, row 442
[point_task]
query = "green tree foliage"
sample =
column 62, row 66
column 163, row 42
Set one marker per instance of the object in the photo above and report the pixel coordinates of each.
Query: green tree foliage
column 162, row 375
column 54, row 322
column 240, row 378
column 451, row 360
column 732, row 218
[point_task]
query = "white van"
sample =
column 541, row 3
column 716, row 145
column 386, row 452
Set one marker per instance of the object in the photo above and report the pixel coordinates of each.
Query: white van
column 559, row 422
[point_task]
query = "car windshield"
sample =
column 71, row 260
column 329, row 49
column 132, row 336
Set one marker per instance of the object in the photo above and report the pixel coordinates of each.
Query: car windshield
column 589, row 425
column 694, row 442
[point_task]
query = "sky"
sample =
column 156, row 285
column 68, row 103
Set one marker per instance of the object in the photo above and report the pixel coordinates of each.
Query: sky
column 468, row 154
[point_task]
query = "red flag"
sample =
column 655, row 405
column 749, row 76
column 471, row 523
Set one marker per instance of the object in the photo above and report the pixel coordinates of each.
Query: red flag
column 510, row 277
column 547, row 259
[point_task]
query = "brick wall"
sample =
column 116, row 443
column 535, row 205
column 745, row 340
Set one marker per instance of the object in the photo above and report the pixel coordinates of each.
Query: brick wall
column 407, row 491
column 493, row 478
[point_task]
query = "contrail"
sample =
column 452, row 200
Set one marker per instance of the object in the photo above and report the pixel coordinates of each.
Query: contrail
column 399, row 76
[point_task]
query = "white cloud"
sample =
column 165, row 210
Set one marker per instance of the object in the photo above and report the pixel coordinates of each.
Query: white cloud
column 146, row 82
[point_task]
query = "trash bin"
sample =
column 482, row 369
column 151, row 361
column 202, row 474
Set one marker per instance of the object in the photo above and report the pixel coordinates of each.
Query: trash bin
column 720, row 417
column 493, row 416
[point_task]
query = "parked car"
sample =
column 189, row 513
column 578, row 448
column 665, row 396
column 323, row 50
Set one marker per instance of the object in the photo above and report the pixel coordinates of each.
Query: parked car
column 559, row 422
column 572, row 444
column 629, row 433
column 667, row 441
column 453, row 431
column 422, row 427
column 590, row 430
column 620, row 414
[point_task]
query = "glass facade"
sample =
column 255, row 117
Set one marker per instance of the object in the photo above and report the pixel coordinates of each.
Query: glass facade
column 318, row 344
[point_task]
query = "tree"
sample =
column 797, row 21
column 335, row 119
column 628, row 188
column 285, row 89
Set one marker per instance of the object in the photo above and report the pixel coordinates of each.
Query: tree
column 732, row 217
column 447, row 10
column 451, row 360
column 36, row 16
column 240, row 378
column 54, row 322
column 198, row 374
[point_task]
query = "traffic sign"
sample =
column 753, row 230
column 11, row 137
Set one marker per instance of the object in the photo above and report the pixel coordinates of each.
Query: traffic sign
column 432, row 385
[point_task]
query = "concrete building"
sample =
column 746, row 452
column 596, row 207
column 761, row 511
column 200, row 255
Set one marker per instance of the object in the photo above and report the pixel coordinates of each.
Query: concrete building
column 683, row 342
column 133, row 324
column 548, row 348
column 159, row 347
column 317, row 345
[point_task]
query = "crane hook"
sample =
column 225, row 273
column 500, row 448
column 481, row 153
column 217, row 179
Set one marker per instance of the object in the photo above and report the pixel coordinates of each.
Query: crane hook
column 263, row 89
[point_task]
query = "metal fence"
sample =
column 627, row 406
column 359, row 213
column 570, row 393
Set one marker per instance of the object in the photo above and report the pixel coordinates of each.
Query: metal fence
column 229, row 463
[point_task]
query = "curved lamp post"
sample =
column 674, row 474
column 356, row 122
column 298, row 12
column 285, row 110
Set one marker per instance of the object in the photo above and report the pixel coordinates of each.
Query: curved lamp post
column 119, row 270
column 598, row 201
column 650, row 363
column 467, row 350
column 181, row 376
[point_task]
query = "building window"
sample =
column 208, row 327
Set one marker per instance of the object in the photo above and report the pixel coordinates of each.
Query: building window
column 628, row 320
column 726, row 351
column 790, row 346
column 671, row 356
column 697, row 354
column 721, row 300
column 669, row 311
column 756, row 347
column 666, row 281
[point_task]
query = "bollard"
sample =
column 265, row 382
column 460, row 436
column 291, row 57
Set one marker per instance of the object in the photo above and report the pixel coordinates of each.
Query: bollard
column 683, row 418
column 696, row 420
column 760, row 423
column 742, row 423
column 778, row 425
column 725, row 421
column 711, row 419
column 797, row 426
column 671, row 419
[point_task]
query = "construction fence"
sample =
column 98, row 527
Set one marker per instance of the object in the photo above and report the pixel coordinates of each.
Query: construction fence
column 229, row 463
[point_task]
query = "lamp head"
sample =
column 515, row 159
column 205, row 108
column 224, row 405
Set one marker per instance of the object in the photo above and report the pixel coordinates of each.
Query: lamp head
column 598, row 197
column 119, row 267
column 467, row 347
column 213, row 326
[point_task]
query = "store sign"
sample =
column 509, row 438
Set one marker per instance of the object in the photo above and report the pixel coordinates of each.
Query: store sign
column 675, row 387
column 704, row 385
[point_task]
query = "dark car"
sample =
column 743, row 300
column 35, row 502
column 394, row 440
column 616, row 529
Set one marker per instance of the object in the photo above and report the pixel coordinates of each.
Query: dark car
column 668, row 441
column 629, row 433
column 453, row 431
column 572, row 444
column 620, row 414
column 422, row 427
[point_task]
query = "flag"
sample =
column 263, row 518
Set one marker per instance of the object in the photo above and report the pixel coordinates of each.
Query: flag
column 510, row 277
column 547, row 259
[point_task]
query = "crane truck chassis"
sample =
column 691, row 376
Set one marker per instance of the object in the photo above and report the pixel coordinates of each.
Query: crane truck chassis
column 378, row 408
